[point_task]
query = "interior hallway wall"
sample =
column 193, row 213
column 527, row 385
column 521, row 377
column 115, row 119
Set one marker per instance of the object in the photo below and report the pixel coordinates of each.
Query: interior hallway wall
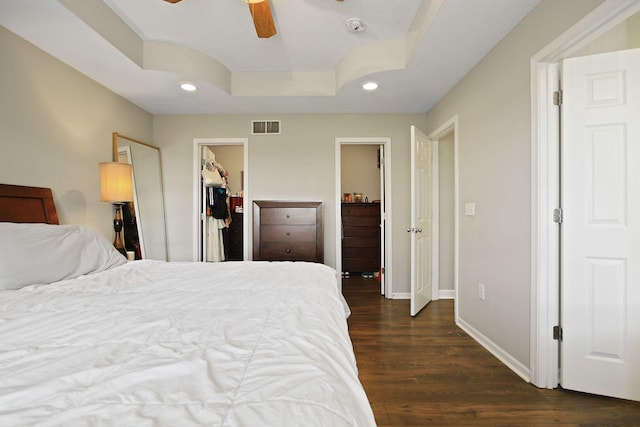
column 493, row 105
column 360, row 172
column 446, row 196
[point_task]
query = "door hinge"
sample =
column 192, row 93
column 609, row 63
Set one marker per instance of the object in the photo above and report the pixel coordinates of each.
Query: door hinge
column 557, row 216
column 557, row 97
column 557, row 333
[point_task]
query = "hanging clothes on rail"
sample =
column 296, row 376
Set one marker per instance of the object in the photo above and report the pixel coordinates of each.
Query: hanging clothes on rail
column 217, row 213
column 215, row 180
column 215, row 239
column 217, row 202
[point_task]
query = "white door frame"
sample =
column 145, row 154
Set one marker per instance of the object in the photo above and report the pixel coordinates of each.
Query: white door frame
column 198, row 143
column 443, row 130
column 545, row 182
column 386, row 143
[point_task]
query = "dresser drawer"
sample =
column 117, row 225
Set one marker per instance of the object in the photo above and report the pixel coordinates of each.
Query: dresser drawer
column 360, row 264
column 357, row 209
column 361, row 221
column 292, row 216
column 288, row 251
column 361, row 252
column 288, row 233
column 361, row 242
column 364, row 232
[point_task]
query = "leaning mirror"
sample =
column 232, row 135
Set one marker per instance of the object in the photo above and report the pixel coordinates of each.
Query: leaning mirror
column 148, row 206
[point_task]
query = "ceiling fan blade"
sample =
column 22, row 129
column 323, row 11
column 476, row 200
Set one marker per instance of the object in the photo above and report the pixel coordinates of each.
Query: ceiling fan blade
column 173, row 1
column 262, row 19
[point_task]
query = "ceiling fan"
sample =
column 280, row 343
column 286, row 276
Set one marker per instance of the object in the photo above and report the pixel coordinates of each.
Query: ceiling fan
column 261, row 14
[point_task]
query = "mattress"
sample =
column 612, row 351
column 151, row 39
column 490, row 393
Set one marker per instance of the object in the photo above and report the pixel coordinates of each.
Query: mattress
column 152, row 343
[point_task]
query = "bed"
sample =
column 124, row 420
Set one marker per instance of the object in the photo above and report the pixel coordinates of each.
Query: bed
column 89, row 339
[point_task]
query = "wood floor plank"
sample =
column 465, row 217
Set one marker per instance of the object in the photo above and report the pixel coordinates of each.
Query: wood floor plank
column 425, row 371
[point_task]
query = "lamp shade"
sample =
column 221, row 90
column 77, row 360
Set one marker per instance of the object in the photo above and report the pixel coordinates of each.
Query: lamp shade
column 253, row 1
column 115, row 182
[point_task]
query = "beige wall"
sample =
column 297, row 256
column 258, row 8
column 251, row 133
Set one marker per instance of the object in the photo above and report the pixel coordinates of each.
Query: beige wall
column 493, row 107
column 56, row 126
column 446, row 212
column 359, row 170
column 297, row 164
column 625, row 35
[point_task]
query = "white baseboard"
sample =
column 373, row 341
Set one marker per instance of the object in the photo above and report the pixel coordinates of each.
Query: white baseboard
column 521, row 370
column 447, row 294
column 444, row 294
column 401, row 295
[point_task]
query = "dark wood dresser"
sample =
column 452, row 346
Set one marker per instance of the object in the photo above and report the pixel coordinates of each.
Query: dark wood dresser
column 361, row 237
column 287, row 231
column 236, row 237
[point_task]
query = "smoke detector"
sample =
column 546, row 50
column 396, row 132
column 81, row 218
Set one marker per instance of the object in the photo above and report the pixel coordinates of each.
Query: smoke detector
column 354, row 25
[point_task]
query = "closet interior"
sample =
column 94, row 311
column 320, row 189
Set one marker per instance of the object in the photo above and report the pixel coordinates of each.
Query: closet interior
column 362, row 184
column 222, row 204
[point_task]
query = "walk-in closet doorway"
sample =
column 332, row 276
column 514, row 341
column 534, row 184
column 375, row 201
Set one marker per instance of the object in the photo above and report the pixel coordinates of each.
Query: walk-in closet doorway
column 232, row 155
column 363, row 201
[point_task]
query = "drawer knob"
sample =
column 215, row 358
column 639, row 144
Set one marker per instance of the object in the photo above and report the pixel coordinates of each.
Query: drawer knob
column 288, row 251
column 288, row 233
column 288, row 216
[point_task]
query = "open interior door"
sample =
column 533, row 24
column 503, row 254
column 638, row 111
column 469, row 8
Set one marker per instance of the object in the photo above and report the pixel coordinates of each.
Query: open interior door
column 203, row 207
column 600, row 281
column 421, row 228
column 383, row 223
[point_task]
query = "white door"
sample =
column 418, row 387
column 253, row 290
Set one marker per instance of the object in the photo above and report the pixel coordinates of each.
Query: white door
column 203, row 207
column 600, row 281
column 382, row 219
column 421, row 220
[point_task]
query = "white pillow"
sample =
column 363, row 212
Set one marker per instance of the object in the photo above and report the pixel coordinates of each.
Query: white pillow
column 43, row 253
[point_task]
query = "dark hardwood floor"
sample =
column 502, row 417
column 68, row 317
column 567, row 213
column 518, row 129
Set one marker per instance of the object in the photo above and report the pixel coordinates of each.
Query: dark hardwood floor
column 425, row 371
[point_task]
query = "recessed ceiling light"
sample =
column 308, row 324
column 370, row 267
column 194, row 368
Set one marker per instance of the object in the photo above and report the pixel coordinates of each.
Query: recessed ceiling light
column 188, row 87
column 370, row 86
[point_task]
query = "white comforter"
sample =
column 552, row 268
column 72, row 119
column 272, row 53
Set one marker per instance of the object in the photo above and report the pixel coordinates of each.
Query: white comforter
column 181, row 344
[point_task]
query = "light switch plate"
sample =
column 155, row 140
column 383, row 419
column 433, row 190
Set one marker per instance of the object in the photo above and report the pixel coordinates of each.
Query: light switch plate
column 470, row 209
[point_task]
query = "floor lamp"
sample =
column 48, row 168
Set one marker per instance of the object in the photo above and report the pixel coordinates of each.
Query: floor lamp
column 116, row 188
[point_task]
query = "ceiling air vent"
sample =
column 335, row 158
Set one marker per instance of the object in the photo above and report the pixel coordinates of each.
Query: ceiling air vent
column 265, row 127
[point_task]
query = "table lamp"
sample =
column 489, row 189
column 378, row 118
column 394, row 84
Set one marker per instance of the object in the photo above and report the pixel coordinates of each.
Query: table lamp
column 116, row 188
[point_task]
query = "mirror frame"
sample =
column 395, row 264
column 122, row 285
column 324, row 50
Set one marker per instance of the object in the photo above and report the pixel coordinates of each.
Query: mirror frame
column 116, row 137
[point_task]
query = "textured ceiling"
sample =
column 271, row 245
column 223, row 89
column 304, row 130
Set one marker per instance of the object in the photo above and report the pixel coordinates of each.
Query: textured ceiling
column 416, row 50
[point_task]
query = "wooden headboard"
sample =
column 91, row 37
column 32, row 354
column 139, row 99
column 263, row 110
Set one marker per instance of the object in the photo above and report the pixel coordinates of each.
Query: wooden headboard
column 27, row 204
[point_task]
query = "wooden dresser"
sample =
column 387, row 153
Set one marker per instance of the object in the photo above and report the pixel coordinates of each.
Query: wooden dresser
column 287, row 231
column 236, row 237
column 361, row 237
